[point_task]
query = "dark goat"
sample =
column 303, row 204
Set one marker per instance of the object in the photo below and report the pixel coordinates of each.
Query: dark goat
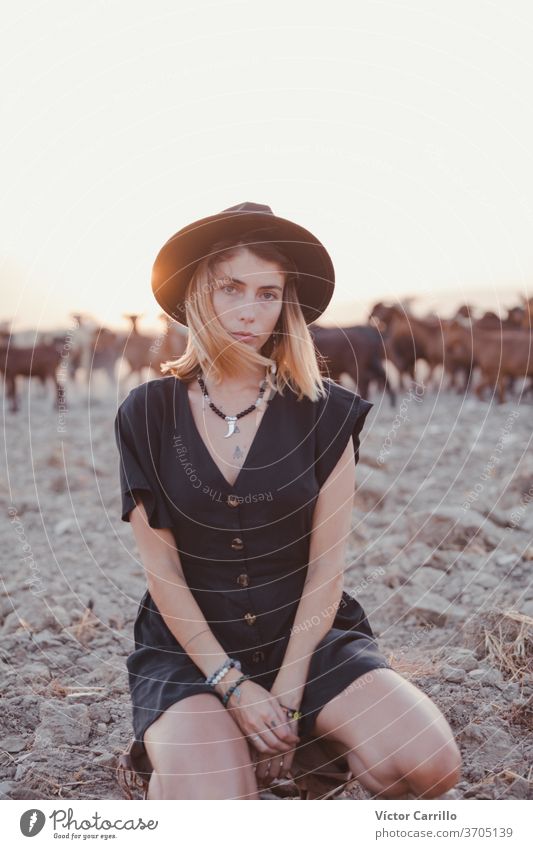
column 357, row 351
column 39, row 361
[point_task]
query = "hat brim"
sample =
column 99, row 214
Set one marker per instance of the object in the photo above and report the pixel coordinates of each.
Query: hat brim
column 177, row 260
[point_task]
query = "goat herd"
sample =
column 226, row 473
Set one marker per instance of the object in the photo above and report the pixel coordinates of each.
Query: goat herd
column 489, row 352
column 87, row 348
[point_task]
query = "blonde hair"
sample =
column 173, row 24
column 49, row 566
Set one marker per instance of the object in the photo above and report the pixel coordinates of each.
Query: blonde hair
column 212, row 348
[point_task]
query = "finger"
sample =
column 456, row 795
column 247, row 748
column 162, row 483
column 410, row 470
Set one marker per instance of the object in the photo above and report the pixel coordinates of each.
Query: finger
column 287, row 765
column 274, row 743
column 267, row 742
column 285, row 726
column 283, row 730
column 261, row 744
column 286, row 734
column 257, row 743
column 275, row 767
column 263, row 770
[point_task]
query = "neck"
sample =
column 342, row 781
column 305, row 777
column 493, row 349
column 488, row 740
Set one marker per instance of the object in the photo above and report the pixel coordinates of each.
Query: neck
column 244, row 382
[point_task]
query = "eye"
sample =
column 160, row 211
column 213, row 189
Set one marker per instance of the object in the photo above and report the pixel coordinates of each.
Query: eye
column 228, row 286
column 272, row 294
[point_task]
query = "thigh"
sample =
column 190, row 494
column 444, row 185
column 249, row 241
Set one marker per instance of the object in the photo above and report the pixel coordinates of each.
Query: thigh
column 387, row 722
column 195, row 734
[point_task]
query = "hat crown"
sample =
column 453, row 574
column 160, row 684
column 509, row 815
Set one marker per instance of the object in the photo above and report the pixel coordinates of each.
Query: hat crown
column 250, row 207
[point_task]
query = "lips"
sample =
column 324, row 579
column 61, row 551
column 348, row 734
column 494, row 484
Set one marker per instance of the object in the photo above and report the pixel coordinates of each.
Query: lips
column 243, row 336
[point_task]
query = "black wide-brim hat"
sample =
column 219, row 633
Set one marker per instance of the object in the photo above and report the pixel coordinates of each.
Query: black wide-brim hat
column 179, row 256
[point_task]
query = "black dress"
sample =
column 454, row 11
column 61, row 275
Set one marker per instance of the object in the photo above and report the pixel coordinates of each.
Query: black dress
column 243, row 548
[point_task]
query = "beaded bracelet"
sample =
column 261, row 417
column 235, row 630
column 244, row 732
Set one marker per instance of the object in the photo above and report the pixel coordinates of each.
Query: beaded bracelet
column 217, row 676
column 219, row 673
column 233, row 689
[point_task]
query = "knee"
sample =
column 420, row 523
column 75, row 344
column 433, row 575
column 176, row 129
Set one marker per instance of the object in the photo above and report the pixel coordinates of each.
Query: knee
column 434, row 775
column 239, row 787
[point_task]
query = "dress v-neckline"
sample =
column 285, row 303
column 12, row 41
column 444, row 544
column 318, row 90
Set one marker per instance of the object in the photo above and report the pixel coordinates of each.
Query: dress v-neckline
column 187, row 405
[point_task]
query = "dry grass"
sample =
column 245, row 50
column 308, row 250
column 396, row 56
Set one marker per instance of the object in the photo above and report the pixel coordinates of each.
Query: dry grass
column 85, row 629
column 411, row 667
column 522, row 715
column 508, row 642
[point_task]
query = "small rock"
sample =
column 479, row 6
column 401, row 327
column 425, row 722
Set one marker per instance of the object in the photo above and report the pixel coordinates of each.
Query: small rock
column 99, row 711
column 511, row 691
column 488, row 676
column 430, row 606
column 462, row 658
column 22, row 769
column 486, row 580
column 63, row 723
column 107, row 759
column 6, row 787
column 429, row 577
column 36, row 670
column 446, row 527
column 46, row 639
column 506, row 560
column 14, row 743
column 491, row 741
column 60, row 661
column 453, row 674
column 63, row 526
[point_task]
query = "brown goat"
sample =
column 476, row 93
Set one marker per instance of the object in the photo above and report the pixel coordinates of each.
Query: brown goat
column 501, row 355
column 39, row 361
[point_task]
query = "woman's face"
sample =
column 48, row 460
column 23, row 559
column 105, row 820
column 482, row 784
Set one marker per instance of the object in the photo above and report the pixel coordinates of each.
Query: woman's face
column 247, row 296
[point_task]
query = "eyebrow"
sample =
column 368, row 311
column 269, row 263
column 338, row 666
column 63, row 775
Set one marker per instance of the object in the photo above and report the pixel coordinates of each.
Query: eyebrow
column 272, row 286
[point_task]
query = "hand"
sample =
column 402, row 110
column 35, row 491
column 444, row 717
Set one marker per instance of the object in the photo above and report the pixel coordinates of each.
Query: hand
column 262, row 720
column 289, row 694
column 269, row 768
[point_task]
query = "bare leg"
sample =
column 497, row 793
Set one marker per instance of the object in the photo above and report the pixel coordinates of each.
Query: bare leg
column 396, row 740
column 198, row 752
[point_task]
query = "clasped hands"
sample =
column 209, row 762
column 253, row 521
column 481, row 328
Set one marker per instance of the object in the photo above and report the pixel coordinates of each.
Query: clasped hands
column 271, row 735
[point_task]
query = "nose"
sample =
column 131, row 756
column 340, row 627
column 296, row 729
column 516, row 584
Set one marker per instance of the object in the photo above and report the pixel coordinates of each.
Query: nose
column 245, row 311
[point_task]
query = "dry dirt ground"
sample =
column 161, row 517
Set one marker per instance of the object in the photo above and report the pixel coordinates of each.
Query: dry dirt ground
column 440, row 557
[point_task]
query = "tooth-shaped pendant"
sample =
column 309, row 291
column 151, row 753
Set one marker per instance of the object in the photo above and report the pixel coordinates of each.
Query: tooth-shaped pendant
column 232, row 425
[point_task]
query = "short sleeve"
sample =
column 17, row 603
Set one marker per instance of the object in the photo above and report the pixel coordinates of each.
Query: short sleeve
column 340, row 414
column 138, row 438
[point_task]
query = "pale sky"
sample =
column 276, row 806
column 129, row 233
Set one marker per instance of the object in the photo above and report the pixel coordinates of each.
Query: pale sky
column 400, row 133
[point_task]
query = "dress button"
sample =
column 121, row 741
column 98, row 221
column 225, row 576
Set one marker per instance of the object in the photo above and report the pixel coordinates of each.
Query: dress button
column 250, row 618
column 237, row 543
column 232, row 501
column 258, row 656
column 242, row 580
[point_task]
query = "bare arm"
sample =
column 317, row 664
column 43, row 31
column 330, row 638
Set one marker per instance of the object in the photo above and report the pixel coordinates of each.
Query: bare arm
column 171, row 593
column 323, row 588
